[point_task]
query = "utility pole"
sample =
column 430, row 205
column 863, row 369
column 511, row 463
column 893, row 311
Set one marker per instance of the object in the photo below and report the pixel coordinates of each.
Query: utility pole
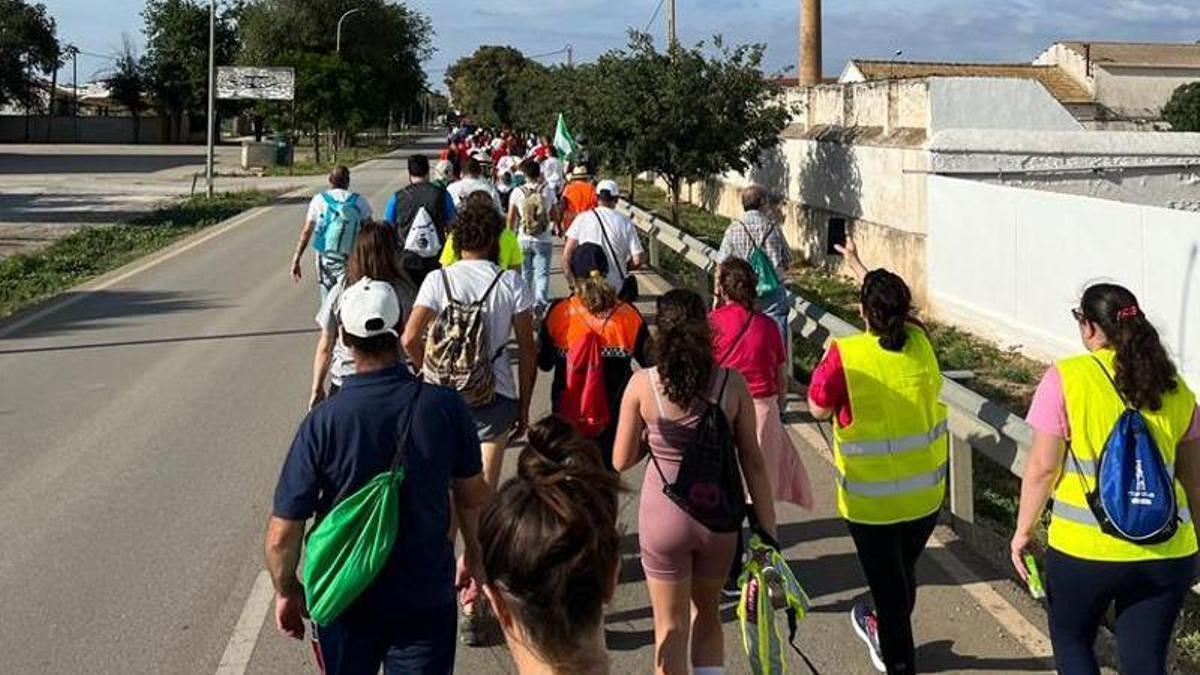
column 672, row 27
column 75, row 89
column 570, row 56
column 212, row 93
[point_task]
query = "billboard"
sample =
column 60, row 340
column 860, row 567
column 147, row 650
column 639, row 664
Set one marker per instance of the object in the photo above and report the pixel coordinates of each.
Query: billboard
column 239, row 83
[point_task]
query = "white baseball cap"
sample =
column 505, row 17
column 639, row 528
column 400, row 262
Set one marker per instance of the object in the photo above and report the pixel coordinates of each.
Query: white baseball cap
column 609, row 186
column 369, row 308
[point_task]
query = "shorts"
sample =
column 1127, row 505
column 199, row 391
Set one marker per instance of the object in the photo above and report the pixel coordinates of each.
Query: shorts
column 675, row 546
column 495, row 419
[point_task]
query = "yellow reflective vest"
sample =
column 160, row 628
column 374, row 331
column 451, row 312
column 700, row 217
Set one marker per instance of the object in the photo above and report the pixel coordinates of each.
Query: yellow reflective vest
column 1093, row 407
column 891, row 459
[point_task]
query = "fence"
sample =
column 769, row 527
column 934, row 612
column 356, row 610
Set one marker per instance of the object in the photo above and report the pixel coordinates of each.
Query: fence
column 58, row 129
column 976, row 423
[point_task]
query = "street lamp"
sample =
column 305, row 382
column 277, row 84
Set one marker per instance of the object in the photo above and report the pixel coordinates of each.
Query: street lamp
column 212, row 94
column 339, row 25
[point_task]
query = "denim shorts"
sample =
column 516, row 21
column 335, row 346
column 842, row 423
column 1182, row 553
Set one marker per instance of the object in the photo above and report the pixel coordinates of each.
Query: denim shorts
column 496, row 418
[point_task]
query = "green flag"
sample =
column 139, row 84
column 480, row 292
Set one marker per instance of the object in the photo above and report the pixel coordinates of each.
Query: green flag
column 564, row 142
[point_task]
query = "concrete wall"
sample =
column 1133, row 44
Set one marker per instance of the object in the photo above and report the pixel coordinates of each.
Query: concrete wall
column 104, row 130
column 1009, row 263
column 995, row 103
column 1139, row 93
column 886, row 105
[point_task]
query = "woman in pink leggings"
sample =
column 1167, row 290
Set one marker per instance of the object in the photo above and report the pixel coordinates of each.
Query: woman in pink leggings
column 686, row 563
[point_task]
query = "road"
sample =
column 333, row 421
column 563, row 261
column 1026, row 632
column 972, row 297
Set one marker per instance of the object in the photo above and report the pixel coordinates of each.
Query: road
column 141, row 431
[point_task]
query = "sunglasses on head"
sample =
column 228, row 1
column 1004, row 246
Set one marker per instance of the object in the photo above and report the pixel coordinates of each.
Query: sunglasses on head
column 1078, row 315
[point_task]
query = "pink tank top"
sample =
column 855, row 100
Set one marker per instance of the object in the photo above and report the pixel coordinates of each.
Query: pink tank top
column 670, row 437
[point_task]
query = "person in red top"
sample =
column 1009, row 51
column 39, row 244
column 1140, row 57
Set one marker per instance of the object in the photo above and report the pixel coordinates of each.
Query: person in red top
column 749, row 342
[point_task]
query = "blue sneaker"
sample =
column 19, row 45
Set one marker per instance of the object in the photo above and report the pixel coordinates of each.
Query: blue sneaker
column 866, row 626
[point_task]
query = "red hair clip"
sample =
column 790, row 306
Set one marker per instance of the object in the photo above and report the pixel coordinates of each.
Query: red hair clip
column 1128, row 313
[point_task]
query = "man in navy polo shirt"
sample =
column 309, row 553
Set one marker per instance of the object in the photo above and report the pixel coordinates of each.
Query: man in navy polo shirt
column 406, row 620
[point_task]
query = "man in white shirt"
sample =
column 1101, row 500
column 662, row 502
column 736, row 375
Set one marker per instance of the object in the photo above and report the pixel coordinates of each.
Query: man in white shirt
column 554, row 173
column 472, row 182
column 611, row 230
column 329, row 269
column 536, row 239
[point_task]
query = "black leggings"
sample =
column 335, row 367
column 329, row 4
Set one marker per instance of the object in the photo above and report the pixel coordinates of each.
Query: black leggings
column 1148, row 597
column 888, row 555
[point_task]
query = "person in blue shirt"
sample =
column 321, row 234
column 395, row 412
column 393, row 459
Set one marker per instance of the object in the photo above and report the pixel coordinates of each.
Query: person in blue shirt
column 405, row 621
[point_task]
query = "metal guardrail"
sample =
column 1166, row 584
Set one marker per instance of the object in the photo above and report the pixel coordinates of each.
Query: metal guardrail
column 976, row 423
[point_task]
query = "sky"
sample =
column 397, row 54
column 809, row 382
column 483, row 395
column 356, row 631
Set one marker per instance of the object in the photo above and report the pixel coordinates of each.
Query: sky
column 959, row 30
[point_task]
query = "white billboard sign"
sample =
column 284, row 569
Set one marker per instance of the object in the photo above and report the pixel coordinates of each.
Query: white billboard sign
column 240, row 83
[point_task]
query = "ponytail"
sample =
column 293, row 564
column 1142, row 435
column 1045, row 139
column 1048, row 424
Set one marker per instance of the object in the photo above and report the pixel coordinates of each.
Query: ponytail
column 1144, row 372
column 887, row 307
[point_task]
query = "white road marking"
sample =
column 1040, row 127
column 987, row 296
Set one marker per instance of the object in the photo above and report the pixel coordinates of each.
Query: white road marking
column 83, row 292
column 241, row 644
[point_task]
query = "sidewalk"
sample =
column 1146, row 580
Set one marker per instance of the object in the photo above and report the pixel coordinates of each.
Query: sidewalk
column 954, row 632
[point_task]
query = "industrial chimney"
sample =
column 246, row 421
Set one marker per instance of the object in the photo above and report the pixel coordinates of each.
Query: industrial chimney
column 810, row 42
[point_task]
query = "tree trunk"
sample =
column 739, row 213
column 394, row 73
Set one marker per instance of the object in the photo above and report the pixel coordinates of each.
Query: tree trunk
column 675, row 190
column 317, row 143
column 633, row 186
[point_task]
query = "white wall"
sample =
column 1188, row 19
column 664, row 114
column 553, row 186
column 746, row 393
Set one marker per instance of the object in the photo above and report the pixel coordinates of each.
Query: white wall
column 1010, row 263
column 995, row 103
column 1139, row 93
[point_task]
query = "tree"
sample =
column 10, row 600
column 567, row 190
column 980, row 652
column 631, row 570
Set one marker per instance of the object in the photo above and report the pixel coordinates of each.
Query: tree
column 127, row 85
column 28, row 45
column 176, row 62
column 1183, row 110
column 383, row 45
column 480, row 84
column 685, row 114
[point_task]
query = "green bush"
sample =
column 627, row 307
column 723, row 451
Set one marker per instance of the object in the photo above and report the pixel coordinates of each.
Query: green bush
column 1183, row 110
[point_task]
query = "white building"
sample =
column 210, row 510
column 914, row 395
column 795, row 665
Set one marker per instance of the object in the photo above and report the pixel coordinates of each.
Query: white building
column 1129, row 82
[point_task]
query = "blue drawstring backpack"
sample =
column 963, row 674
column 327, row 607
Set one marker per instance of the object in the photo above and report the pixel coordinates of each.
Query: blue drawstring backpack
column 1134, row 499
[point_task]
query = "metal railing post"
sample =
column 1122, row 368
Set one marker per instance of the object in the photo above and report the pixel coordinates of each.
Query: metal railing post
column 962, row 480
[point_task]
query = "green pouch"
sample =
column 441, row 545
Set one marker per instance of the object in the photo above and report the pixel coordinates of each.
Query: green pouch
column 351, row 545
column 768, row 281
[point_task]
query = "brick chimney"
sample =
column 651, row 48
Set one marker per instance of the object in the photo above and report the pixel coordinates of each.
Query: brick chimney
column 810, row 42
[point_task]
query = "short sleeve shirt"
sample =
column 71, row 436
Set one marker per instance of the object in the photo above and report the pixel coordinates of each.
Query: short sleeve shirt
column 342, row 361
column 1048, row 411
column 517, row 201
column 511, row 256
column 755, row 229
column 469, row 280
column 622, row 234
column 317, row 206
column 750, row 343
column 348, row 440
column 828, row 388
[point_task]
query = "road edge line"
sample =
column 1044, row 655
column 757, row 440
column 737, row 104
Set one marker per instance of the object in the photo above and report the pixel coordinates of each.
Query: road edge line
column 244, row 639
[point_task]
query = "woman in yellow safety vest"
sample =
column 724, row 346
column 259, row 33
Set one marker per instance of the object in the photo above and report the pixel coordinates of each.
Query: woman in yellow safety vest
column 1074, row 411
column 881, row 389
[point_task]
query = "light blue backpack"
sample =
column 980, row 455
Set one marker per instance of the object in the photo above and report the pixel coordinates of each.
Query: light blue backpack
column 338, row 227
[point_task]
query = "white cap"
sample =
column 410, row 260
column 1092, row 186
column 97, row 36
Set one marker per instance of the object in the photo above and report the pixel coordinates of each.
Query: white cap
column 609, row 186
column 369, row 308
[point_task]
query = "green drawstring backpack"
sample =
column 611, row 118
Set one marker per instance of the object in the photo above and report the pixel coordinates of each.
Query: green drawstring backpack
column 350, row 546
column 768, row 280
column 767, row 585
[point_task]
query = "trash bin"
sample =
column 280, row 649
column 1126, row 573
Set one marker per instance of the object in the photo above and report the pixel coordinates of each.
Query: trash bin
column 283, row 149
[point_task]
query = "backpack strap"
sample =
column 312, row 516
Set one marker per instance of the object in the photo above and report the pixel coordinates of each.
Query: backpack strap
column 446, row 285
column 653, row 374
column 490, row 288
column 612, row 252
column 1111, row 381
column 405, row 431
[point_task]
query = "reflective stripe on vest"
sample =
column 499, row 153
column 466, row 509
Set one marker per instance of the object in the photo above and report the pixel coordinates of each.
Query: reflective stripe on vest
column 895, row 445
column 1085, row 516
column 894, row 488
column 1092, row 408
column 891, row 459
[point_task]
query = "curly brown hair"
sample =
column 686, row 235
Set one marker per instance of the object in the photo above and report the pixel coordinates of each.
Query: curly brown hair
column 685, row 358
column 738, row 282
column 550, row 542
column 477, row 227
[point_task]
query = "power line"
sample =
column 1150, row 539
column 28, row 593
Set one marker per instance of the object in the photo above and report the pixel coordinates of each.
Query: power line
column 654, row 16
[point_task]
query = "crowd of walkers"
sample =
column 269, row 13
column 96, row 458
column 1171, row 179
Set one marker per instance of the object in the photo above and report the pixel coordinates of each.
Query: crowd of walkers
column 434, row 322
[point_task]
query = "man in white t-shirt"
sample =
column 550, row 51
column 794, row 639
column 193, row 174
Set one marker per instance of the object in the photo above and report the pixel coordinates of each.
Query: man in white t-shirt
column 554, row 173
column 537, row 241
column 329, row 270
column 472, row 182
column 611, row 230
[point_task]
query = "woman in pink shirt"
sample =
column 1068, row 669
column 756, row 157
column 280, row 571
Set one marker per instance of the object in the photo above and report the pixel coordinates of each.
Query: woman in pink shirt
column 749, row 342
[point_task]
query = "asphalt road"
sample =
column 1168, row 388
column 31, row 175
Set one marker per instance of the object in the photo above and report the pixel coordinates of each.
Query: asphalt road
column 141, row 432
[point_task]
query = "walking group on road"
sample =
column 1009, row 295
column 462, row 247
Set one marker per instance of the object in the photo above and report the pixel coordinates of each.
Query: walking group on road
column 434, row 323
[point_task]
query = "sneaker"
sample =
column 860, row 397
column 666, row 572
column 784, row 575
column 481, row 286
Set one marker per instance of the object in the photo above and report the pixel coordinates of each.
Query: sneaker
column 479, row 628
column 866, row 626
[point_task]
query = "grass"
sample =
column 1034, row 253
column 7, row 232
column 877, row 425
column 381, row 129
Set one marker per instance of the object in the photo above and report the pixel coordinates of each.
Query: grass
column 304, row 165
column 28, row 278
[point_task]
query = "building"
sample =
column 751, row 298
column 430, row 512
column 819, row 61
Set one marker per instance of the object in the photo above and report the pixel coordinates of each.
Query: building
column 1129, row 82
column 979, row 185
